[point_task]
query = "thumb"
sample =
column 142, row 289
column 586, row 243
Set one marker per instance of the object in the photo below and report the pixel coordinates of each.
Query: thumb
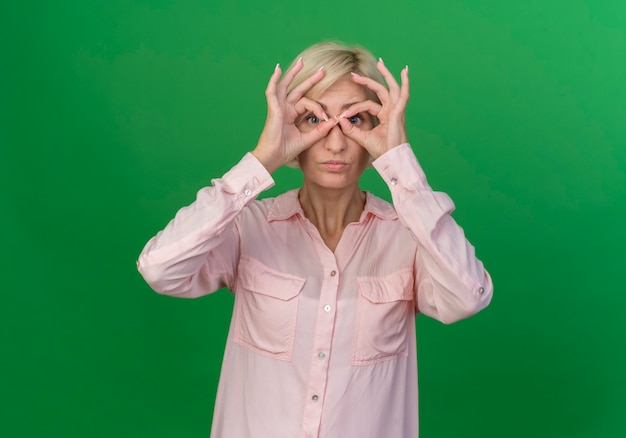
column 320, row 131
column 352, row 131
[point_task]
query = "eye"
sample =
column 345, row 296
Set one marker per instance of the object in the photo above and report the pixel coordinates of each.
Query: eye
column 313, row 119
column 355, row 120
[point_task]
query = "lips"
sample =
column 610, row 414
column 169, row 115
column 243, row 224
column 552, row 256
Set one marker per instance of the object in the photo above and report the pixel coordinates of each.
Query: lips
column 333, row 165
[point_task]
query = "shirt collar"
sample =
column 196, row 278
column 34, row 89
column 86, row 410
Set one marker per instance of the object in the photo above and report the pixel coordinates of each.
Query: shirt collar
column 287, row 205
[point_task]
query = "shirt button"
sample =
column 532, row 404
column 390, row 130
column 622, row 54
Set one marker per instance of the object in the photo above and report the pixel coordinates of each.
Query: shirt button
column 327, row 308
column 393, row 181
column 315, row 398
column 321, row 355
column 333, row 273
column 481, row 290
column 247, row 192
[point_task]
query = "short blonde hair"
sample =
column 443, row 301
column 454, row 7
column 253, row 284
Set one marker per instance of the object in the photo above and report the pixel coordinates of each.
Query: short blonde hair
column 338, row 60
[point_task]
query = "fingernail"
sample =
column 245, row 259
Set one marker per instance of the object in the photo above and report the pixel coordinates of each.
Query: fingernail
column 325, row 116
column 355, row 74
column 321, row 68
column 381, row 60
column 277, row 67
column 343, row 114
column 299, row 60
column 407, row 68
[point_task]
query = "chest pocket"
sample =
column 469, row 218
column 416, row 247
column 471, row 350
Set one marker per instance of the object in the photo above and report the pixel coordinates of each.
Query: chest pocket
column 266, row 307
column 385, row 308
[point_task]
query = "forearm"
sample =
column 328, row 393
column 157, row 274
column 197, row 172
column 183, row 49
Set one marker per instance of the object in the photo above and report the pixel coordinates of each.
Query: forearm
column 451, row 282
column 271, row 161
column 171, row 261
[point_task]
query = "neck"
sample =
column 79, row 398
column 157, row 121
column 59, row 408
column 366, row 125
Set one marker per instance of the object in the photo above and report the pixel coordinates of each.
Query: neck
column 331, row 210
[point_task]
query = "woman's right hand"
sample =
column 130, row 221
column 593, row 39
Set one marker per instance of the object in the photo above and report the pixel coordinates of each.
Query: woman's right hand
column 281, row 141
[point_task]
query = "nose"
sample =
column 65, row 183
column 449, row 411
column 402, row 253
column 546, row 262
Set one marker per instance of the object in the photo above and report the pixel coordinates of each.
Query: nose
column 336, row 140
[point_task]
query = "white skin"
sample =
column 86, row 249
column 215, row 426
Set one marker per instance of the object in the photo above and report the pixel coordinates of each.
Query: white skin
column 333, row 138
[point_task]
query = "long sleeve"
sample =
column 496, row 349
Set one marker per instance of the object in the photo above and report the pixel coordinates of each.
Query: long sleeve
column 196, row 253
column 450, row 282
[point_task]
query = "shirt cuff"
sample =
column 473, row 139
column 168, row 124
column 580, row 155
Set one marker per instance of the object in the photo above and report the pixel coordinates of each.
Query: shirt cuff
column 248, row 178
column 399, row 167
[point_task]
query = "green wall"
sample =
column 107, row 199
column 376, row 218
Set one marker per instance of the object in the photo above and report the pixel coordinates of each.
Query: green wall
column 114, row 113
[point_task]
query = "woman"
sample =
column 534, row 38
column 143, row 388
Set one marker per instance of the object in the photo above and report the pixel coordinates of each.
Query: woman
column 327, row 279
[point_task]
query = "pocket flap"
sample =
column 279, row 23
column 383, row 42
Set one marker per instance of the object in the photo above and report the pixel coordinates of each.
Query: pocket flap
column 397, row 286
column 260, row 278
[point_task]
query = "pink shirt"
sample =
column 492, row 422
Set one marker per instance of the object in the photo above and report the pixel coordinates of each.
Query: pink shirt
column 321, row 344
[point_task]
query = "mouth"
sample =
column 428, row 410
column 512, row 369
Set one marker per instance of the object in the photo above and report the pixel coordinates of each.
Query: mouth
column 334, row 166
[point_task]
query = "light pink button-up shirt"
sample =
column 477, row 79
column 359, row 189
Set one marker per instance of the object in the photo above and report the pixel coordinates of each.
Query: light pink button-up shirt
column 321, row 344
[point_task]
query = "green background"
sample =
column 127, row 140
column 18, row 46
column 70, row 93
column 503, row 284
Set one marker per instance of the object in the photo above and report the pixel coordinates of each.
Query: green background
column 114, row 113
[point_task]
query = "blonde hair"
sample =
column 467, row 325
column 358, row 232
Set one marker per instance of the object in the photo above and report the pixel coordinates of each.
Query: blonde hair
column 338, row 60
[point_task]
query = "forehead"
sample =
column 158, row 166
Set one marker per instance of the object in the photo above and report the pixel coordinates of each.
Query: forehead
column 342, row 92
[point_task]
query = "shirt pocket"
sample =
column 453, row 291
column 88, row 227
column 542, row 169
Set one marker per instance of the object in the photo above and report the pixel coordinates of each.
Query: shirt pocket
column 385, row 308
column 266, row 309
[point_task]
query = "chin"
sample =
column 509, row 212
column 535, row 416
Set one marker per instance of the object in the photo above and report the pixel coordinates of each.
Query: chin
column 334, row 181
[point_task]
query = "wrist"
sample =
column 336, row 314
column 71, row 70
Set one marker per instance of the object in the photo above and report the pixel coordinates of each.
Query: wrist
column 268, row 160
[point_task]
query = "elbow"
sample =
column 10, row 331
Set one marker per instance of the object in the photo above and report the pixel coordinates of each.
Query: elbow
column 464, row 309
column 163, row 284
column 466, row 304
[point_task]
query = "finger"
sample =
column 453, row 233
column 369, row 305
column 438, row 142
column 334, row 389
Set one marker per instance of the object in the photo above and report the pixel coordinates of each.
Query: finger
column 367, row 106
column 404, row 89
column 270, row 90
column 305, row 86
column 288, row 78
column 373, row 141
column 379, row 89
column 367, row 139
column 320, row 131
column 394, row 88
column 402, row 98
column 304, row 104
column 353, row 131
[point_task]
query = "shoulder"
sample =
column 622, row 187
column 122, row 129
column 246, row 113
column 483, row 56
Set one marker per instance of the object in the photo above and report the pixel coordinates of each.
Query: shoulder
column 275, row 208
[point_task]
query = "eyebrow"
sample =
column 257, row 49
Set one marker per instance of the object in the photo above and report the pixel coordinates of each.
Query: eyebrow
column 343, row 107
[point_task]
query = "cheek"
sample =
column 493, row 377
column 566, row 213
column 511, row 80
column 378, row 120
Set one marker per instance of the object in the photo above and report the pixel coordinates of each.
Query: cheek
column 362, row 157
column 304, row 157
column 366, row 159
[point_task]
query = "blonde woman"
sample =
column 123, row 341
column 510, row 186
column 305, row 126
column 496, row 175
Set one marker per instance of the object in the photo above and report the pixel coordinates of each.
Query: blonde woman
column 327, row 279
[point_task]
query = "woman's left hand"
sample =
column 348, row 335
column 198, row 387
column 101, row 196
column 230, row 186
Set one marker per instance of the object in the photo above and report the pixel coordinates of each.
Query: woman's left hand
column 391, row 131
